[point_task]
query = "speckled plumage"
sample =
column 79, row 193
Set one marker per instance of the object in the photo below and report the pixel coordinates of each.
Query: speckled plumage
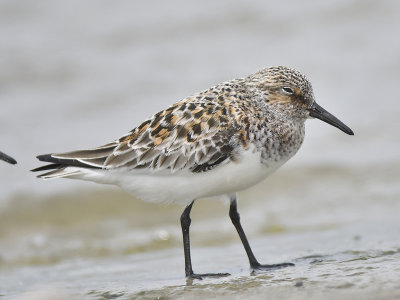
column 214, row 143
column 261, row 115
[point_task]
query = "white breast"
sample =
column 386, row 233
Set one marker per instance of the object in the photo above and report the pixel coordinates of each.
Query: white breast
column 185, row 186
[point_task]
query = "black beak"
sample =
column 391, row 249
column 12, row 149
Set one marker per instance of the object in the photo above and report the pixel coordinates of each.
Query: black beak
column 7, row 158
column 318, row 112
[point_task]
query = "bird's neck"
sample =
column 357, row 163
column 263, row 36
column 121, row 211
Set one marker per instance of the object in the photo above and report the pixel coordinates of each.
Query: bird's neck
column 278, row 140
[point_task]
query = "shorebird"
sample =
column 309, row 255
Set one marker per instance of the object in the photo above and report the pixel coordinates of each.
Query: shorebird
column 212, row 144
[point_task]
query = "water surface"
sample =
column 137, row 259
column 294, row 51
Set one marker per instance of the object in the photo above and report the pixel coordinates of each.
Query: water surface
column 77, row 75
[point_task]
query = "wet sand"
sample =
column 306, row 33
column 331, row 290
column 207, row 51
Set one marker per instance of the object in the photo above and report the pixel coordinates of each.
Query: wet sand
column 108, row 245
column 79, row 74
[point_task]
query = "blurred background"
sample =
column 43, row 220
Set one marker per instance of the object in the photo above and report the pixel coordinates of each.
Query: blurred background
column 78, row 74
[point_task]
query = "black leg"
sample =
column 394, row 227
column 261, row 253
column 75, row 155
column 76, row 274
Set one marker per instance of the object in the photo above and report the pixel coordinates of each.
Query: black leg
column 254, row 264
column 185, row 224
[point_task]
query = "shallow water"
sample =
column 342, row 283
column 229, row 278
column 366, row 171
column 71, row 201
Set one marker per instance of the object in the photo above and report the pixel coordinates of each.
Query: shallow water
column 76, row 75
column 107, row 245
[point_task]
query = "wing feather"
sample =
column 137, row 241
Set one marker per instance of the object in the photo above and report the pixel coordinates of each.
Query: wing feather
column 196, row 134
column 179, row 138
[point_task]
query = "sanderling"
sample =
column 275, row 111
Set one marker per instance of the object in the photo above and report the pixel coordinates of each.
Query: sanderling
column 212, row 144
column 7, row 158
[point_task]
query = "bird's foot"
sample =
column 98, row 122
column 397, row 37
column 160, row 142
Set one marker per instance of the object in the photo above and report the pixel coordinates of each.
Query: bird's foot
column 260, row 267
column 201, row 276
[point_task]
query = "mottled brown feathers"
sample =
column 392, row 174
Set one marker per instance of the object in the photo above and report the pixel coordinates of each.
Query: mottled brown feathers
column 184, row 135
column 210, row 128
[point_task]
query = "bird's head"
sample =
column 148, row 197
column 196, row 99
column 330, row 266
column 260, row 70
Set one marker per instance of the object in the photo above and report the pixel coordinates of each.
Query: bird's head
column 287, row 90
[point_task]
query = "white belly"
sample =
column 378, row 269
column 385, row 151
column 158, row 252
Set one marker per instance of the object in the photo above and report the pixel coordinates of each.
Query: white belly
column 183, row 187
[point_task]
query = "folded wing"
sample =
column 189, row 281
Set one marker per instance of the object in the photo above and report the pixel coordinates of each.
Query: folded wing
column 188, row 136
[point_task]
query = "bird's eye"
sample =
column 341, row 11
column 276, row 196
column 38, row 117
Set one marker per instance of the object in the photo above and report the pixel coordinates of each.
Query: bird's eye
column 287, row 90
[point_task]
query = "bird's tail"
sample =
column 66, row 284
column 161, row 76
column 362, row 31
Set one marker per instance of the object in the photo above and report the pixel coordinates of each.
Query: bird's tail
column 75, row 163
